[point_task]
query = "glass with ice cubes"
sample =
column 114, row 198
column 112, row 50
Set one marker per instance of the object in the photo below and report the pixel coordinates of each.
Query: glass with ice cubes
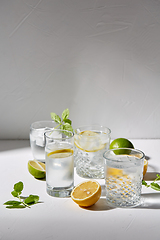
column 37, row 141
column 90, row 144
column 123, row 176
column 59, row 149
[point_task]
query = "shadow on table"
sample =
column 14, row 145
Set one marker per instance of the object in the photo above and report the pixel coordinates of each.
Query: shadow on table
column 150, row 176
column 101, row 205
column 148, row 200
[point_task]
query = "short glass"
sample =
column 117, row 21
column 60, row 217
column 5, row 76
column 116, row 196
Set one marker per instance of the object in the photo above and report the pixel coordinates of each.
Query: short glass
column 37, row 143
column 90, row 144
column 123, row 177
column 59, row 162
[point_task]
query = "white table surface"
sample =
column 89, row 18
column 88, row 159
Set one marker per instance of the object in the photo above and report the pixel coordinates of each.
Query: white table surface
column 61, row 218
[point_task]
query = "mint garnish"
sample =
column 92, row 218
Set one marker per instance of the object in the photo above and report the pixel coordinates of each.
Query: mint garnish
column 27, row 202
column 153, row 185
column 64, row 122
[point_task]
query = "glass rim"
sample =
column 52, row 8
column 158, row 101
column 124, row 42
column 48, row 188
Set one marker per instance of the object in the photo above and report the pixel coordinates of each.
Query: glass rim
column 42, row 121
column 130, row 149
column 89, row 126
column 58, row 138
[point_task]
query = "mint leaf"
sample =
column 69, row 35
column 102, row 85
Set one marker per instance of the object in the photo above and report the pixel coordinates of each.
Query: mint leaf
column 14, row 203
column 67, row 127
column 144, row 183
column 18, row 187
column 66, row 120
column 15, row 206
column 158, row 177
column 65, row 114
column 65, row 123
column 55, row 117
column 155, row 186
column 14, row 193
column 32, row 199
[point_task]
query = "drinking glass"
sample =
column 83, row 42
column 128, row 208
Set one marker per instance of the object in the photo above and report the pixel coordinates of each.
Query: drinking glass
column 37, row 143
column 59, row 146
column 90, row 144
column 123, row 176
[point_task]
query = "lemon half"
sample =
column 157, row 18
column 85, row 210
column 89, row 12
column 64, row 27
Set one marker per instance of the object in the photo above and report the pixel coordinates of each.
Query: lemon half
column 86, row 193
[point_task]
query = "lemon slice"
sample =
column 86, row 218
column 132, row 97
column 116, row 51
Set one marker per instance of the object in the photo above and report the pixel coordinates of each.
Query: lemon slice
column 89, row 141
column 89, row 133
column 86, row 193
column 119, row 172
column 114, row 172
column 61, row 153
column 37, row 169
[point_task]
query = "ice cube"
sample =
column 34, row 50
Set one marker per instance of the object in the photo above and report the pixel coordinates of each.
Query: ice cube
column 95, row 144
column 104, row 138
column 40, row 141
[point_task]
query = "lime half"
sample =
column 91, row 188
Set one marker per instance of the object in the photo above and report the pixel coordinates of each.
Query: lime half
column 121, row 143
column 37, row 169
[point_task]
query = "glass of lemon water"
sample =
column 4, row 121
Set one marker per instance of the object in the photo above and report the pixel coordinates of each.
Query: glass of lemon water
column 90, row 144
column 59, row 149
column 123, row 176
column 37, row 142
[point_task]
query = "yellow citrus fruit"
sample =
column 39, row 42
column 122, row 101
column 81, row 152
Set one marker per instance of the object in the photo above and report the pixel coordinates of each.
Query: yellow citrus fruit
column 61, row 153
column 121, row 143
column 89, row 141
column 145, row 167
column 86, row 193
column 119, row 172
column 114, row 172
column 37, row 169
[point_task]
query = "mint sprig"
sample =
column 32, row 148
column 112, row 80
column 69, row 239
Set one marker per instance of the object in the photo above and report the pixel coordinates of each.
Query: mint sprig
column 22, row 202
column 153, row 184
column 63, row 122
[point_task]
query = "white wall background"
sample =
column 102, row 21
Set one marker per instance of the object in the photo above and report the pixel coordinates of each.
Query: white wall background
column 99, row 58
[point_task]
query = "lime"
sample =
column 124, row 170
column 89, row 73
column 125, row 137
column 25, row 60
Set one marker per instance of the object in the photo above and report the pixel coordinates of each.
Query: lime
column 37, row 169
column 121, row 143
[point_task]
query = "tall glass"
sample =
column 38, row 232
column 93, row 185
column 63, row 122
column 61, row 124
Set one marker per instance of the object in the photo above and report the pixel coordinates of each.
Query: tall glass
column 90, row 144
column 37, row 143
column 123, row 176
column 59, row 162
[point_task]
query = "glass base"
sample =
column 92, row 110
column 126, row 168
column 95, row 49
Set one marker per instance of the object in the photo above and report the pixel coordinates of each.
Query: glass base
column 60, row 192
column 121, row 204
column 88, row 173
